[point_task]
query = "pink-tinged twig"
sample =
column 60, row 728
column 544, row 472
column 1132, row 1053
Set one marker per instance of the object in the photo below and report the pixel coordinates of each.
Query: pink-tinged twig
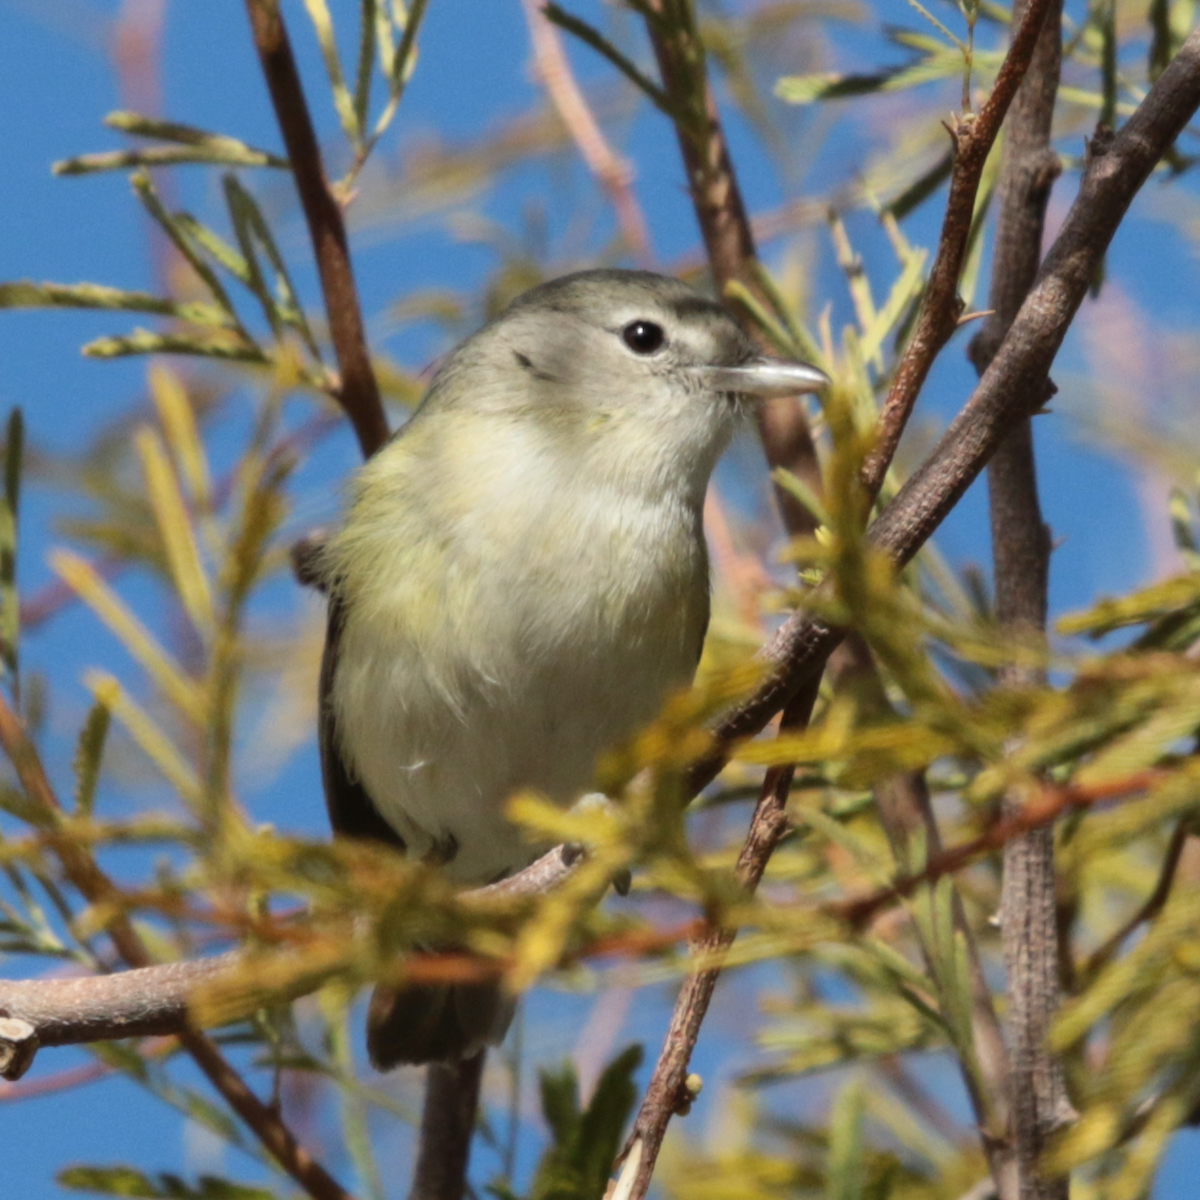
column 614, row 173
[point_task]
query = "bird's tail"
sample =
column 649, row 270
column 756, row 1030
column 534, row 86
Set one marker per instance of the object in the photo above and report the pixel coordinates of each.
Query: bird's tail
column 436, row 1022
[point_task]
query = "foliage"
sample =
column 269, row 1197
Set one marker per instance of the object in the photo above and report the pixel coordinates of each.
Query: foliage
column 879, row 979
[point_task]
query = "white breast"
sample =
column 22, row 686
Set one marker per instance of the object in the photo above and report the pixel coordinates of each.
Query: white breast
column 517, row 634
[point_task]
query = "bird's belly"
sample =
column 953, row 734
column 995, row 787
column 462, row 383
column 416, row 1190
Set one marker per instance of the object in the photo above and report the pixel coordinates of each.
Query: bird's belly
column 443, row 728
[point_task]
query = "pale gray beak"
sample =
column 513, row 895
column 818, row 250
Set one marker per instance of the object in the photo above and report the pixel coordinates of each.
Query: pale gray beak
column 766, row 377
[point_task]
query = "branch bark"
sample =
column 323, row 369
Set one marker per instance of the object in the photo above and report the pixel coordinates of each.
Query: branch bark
column 973, row 138
column 154, row 999
column 358, row 390
column 1021, row 565
column 447, row 1127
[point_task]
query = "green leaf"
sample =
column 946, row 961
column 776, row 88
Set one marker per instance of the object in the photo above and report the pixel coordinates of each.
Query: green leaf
column 191, row 145
column 322, row 21
column 281, row 308
column 143, row 185
column 126, row 1181
column 846, row 1174
column 576, row 1166
column 233, row 348
column 89, row 754
column 24, row 293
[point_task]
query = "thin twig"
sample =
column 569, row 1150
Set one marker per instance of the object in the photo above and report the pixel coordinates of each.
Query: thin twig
column 668, row 1091
column 614, row 173
column 973, row 138
column 358, row 390
column 1148, row 909
column 87, row 877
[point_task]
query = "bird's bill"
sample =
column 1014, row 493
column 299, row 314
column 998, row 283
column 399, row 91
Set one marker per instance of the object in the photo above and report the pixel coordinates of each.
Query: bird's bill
column 766, row 378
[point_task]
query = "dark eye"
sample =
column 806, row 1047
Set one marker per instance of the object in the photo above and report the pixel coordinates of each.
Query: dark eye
column 643, row 337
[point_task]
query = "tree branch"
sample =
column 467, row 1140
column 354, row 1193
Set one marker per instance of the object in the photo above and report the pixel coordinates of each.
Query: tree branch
column 1004, row 395
column 358, row 391
column 155, row 999
column 447, row 1127
column 973, row 138
column 1021, row 566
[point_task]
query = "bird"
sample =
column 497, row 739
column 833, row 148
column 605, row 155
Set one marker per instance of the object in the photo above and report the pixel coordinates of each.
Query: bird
column 520, row 582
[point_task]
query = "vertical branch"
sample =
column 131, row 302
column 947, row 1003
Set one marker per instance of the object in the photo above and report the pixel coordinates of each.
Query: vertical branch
column 447, row 1125
column 358, row 391
column 1021, row 562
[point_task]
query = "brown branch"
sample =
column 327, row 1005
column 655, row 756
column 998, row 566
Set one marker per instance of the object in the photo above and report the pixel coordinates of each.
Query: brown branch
column 447, row 1127
column 973, row 138
column 358, row 390
column 1021, row 567
column 1002, row 398
column 614, row 173
column 1052, row 801
column 155, row 999
column 91, row 882
column 668, row 1091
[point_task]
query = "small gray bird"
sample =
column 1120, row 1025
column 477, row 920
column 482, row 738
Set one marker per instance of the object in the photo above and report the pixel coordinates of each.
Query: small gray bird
column 521, row 581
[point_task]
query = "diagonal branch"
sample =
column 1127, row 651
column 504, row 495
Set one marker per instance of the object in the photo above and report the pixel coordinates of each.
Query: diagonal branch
column 668, row 1091
column 973, row 138
column 358, row 391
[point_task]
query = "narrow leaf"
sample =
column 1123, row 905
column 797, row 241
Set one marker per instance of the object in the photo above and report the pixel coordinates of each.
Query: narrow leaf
column 590, row 37
column 175, row 529
column 87, row 584
column 89, row 754
column 24, row 293
column 148, row 736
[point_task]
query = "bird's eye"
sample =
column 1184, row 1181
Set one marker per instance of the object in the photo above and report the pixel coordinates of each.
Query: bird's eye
column 643, row 337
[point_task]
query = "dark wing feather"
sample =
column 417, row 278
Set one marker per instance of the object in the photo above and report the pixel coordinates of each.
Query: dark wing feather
column 352, row 812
